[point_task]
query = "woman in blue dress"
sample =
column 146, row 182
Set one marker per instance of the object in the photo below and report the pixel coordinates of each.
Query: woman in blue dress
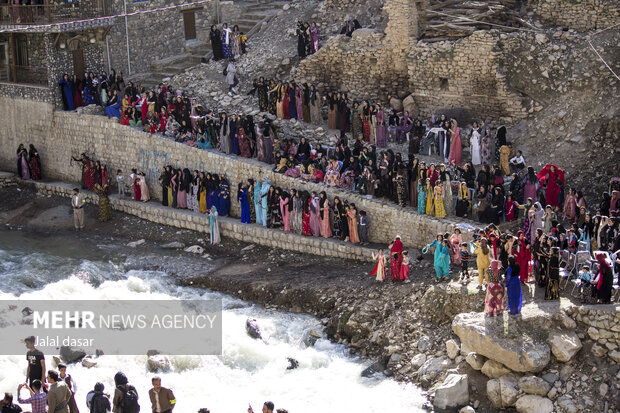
column 114, row 104
column 245, row 203
column 67, row 94
column 223, row 198
column 513, row 286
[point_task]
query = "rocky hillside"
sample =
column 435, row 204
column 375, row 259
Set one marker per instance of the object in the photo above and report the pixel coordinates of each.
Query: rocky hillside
column 575, row 121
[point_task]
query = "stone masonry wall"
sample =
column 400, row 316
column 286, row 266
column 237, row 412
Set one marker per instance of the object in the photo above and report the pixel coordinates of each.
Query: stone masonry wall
column 601, row 326
column 152, row 36
column 60, row 135
column 578, row 14
column 463, row 74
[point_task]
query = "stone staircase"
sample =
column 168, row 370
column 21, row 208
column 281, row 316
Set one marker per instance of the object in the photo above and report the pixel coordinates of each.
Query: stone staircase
column 252, row 17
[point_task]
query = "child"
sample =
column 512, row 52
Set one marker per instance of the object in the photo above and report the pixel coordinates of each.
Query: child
column 363, row 228
column 465, row 256
column 120, row 182
column 379, row 269
column 404, row 268
column 585, row 288
column 133, row 175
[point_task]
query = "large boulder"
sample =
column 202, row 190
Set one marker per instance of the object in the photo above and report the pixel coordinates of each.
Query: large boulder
column 503, row 392
column 71, row 355
column 453, row 393
column 410, row 106
column 418, row 360
column 564, row 345
column 534, row 385
column 534, row 404
column 513, row 349
column 395, row 103
column 158, row 363
column 492, row 369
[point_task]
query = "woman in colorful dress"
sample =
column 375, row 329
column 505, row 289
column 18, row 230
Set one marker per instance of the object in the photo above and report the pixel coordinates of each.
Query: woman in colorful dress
column 144, row 188
column 326, row 231
column 523, row 257
column 214, row 226
column 352, row 221
column 306, row 230
column 430, row 198
column 105, row 211
column 285, row 199
column 379, row 270
column 422, row 196
column 226, row 39
column 315, row 211
column 494, row 300
column 513, row 287
column 381, row 128
column 396, row 258
column 332, row 110
column 439, row 209
column 314, row 37
column 236, row 42
column 315, row 106
column 455, row 144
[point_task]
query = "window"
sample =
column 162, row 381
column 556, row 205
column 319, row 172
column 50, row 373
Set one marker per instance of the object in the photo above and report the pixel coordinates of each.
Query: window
column 443, row 83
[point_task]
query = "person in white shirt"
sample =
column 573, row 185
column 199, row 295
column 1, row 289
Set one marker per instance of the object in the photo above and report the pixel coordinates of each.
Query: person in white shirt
column 517, row 162
column 120, row 182
column 77, row 203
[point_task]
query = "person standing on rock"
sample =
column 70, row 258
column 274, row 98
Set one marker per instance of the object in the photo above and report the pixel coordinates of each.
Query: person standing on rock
column 77, row 202
column 494, row 300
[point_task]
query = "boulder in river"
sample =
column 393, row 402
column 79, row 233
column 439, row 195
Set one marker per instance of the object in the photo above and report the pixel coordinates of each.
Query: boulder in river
column 134, row 244
column 292, row 363
column 88, row 363
column 311, row 337
column 71, row 355
column 251, row 327
column 158, row 363
column 376, row 367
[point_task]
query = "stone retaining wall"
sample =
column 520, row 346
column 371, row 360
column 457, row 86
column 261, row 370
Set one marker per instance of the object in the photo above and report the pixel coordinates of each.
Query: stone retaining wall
column 602, row 326
column 578, row 14
column 229, row 227
column 60, row 135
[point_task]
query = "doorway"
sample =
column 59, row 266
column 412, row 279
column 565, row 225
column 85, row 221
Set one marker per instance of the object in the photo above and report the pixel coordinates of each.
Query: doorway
column 189, row 21
column 4, row 62
column 78, row 62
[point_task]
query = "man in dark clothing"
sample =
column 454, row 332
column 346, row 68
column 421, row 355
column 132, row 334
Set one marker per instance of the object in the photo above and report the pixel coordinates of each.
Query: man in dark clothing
column 7, row 406
column 36, row 363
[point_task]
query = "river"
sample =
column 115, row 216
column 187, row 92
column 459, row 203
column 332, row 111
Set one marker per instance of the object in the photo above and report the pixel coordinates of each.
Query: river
column 38, row 266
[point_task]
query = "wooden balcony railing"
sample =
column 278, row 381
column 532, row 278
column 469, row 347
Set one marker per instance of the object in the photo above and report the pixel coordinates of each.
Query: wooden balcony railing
column 30, row 75
column 48, row 12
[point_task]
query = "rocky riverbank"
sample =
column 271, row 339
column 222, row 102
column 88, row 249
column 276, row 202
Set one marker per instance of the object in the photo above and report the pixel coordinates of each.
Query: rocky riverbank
column 556, row 357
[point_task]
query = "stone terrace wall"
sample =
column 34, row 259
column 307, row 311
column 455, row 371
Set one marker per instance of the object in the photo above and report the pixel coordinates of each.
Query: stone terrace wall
column 463, row 74
column 602, row 326
column 59, row 135
column 578, row 14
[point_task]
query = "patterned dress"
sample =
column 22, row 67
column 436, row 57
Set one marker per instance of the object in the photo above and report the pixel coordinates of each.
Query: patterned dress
column 440, row 211
column 494, row 299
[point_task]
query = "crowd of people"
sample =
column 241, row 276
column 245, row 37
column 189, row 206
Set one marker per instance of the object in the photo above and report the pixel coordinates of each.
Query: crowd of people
column 307, row 39
column 227, row 43
column 301, row 212
column 55, row 391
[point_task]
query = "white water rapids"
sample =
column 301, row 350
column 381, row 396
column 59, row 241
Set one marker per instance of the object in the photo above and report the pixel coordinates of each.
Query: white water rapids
column 248, row 372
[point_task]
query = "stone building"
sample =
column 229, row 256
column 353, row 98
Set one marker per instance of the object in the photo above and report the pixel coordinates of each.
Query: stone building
column 39, row 43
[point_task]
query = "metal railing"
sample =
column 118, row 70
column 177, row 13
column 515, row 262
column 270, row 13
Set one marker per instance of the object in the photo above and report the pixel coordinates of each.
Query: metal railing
column 30, row 75
column 25, row 14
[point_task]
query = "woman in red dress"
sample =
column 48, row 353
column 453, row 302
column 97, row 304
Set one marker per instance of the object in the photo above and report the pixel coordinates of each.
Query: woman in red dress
column 136, row 187
column 396, row 258
column 285, row 102
column 554, row 177
column 523, row 257
column 305, row 220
